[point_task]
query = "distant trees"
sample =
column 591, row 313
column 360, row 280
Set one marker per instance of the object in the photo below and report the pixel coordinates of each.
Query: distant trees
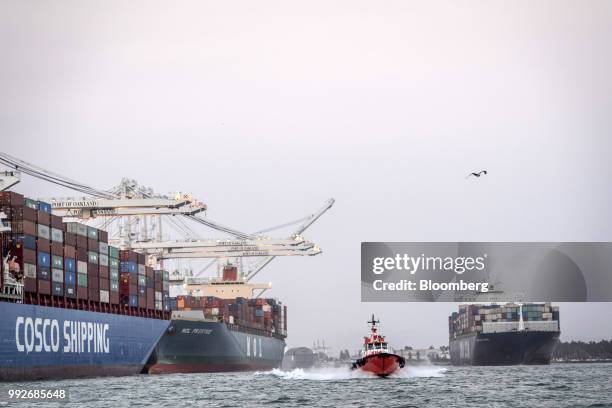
column 345, row 355
column 578, row 350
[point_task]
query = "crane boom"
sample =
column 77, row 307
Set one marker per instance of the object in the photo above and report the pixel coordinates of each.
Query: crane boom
column 311, row 220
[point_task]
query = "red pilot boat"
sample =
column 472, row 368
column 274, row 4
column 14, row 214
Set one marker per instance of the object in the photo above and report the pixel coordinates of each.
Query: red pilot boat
column 377, row 356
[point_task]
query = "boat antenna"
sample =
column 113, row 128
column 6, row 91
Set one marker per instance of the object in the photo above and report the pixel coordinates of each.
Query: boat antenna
column 373, row 321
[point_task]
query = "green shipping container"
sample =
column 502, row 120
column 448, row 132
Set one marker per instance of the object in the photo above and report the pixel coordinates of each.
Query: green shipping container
column 113, row 252
column 82, row 280
column 57, row 262
column 93, row 257
column 92, row 233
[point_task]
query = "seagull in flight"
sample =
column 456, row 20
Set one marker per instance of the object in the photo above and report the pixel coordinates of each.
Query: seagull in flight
column 480, row 173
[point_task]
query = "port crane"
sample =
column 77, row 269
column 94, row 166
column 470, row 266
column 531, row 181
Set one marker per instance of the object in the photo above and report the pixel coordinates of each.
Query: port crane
column 131, row 205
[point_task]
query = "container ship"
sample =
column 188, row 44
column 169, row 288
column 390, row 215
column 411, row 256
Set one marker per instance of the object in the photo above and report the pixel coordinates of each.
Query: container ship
column 503, row 334
column 222, row 326
column 72, row 305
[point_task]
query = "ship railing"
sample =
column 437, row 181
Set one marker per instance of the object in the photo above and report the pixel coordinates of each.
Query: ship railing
column 11, row 289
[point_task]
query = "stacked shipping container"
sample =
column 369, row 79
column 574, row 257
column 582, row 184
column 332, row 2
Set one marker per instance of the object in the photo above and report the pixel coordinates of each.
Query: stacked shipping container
column 471, row 318
column 140, row 286
column 70, row 264
column 264, row 314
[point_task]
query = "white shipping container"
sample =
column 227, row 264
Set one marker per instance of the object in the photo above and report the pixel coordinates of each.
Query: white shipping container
column 215, row 311
column 43, row 231
column 141, row 269
column 103, row 248
column 158, row 296
column 57, row 235
column 231, row 319
column 29, row 270
column 104, row 296
column 81, row 229
column 546, row 326
column 57, row 275
column 103, row 259
column 81, row 267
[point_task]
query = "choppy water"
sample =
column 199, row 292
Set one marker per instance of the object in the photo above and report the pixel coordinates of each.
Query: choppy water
column 557, row 385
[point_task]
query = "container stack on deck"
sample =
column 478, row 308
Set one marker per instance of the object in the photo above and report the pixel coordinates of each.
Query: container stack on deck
column 471, row 318
column 264, row 314
column 66, row 264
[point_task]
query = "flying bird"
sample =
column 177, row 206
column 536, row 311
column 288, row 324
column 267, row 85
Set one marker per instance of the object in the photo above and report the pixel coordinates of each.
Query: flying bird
column 480, row 173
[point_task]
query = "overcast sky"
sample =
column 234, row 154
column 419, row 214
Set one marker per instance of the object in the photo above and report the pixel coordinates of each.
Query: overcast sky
column 265, row 109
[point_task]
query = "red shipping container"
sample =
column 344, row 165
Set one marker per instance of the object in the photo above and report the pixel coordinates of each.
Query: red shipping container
column 57, row 249
column 142, row 302
column 44, row 287
column 29, row 227
column 94, row 294
column 30, row 214
column 103, row 271
column 56, row 222
column 230, row 273
column 11, row 198
column 127, row 255
column 28, row 255
column 93, row 283
column 104, row 284
column 93, row 245
column 70, row 239
column 93, row 270
column 142, row 259
column 114, row 298
column 43, row 218
column 158, row 286
column 82, row 293
column 43, row 245
column 70, row 252
column 81, row 242
column 30, row 285
column 103, row 236
column 81, row 255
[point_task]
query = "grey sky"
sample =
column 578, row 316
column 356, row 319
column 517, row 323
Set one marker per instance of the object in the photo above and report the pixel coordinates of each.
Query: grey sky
column 265, row 109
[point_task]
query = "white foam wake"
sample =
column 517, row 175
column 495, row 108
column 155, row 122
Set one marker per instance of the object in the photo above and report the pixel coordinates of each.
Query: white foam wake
column 342, row 373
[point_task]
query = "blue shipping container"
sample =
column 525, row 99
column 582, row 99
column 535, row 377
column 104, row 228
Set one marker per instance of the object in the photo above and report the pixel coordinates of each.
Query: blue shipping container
column 70, row 278
column 44, row 207
column 44, row 259
column 128, row 267
column 134, row 300
column 28, row 241
column 70, row 264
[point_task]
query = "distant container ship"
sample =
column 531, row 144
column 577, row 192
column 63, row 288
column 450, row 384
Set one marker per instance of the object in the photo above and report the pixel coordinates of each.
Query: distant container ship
column 72, row 305
column 223, row 328
column 504, row 334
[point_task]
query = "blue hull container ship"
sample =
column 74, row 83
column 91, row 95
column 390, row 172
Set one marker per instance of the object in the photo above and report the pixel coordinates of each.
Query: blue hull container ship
column 504, row 334
column 70, row 304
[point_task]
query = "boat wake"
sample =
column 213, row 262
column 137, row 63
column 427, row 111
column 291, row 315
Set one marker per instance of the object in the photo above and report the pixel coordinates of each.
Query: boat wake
column 341, row 373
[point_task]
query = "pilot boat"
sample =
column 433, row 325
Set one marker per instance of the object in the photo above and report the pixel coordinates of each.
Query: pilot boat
column 377, row 357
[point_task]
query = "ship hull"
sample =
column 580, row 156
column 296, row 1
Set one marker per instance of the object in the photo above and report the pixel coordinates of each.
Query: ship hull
column 39, row 342
column 201, row 346
column 510, row 348
column 381, row 365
